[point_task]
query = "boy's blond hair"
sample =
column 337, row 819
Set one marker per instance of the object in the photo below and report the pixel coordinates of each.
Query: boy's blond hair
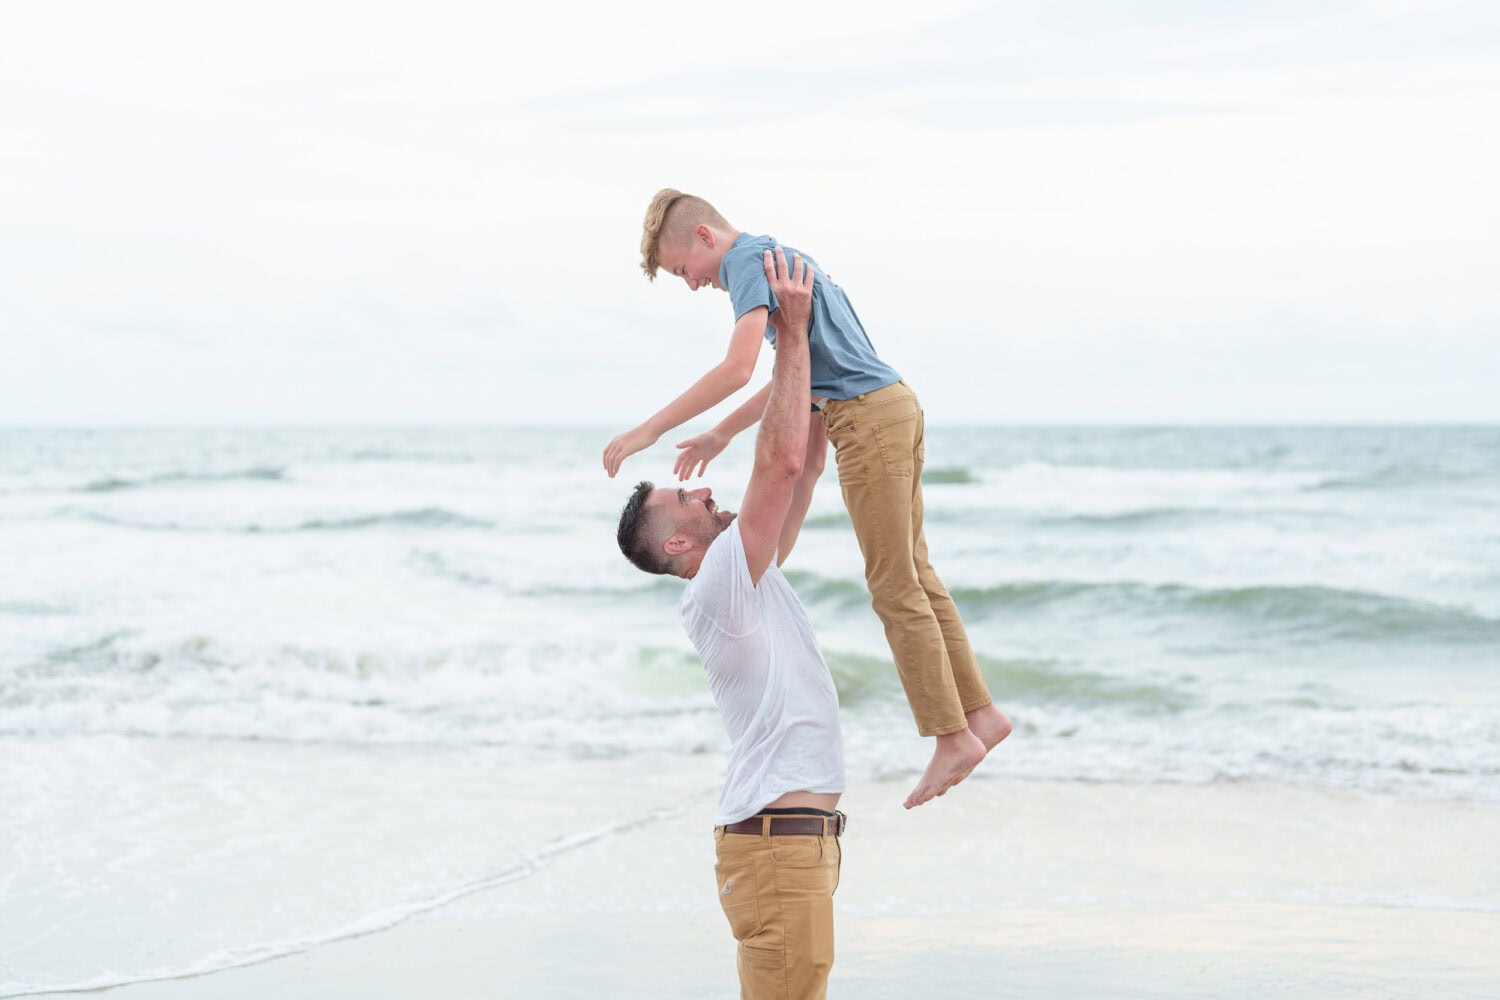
column 675, row 215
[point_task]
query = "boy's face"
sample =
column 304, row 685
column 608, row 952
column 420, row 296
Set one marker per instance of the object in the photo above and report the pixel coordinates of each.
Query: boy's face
column 696, row 261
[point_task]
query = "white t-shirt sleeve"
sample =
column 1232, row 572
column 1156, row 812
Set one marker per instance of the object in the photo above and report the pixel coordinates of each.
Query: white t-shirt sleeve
column 722, row 589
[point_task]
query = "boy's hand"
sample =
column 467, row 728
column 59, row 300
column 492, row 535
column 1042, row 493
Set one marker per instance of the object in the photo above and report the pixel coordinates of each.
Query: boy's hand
column 793, row 290
column 698, row 451
column 625, row 445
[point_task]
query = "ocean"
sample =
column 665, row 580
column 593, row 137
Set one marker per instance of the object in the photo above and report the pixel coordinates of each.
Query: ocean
column 230, row 654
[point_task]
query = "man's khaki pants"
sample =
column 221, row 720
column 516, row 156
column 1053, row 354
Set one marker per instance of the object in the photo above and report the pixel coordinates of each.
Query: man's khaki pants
column 879, row 441
column 777, row 892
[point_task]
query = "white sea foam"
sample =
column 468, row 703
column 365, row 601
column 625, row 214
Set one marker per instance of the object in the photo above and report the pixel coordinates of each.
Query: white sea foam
column 427, row 587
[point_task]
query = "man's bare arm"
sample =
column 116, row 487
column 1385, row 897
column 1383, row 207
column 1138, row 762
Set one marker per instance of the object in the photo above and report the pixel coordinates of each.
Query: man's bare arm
column 781, row 444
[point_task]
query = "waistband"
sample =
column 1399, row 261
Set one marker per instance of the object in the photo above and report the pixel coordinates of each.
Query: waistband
column 765, row 825
column 874, row 397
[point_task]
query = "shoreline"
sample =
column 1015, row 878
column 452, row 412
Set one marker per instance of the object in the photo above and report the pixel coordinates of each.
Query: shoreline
column 1002, row 887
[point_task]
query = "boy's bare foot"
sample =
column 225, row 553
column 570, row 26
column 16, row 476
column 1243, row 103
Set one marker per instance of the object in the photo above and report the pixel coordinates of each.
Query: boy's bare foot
column 956, row 755
column 989, row 724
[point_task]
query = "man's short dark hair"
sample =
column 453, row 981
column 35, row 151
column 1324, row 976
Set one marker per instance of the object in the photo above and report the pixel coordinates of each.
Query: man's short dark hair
column 635, row 533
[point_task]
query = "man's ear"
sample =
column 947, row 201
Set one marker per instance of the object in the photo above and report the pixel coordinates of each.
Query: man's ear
column 703, row 234
column 677, row 545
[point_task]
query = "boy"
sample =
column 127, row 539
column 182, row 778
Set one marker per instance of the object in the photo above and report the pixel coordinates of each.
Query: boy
column 876, row 428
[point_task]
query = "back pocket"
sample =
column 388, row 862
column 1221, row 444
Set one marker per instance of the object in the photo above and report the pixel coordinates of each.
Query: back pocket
column 897, row 440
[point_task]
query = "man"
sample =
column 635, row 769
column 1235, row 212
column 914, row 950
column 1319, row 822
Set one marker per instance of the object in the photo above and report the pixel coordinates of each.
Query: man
column 777, row 837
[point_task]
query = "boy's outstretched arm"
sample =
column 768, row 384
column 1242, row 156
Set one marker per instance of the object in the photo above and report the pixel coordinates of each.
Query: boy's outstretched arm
column 718, row 384
column 705, row 447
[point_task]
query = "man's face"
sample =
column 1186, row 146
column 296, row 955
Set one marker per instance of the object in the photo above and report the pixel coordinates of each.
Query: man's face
column 691, row 261
column 693, row 512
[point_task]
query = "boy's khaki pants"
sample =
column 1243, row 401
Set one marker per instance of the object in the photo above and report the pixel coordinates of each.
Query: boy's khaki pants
column 879, row 446
column 777, row 892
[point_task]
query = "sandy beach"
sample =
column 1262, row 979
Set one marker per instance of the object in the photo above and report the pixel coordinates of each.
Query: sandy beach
column 1002, row 888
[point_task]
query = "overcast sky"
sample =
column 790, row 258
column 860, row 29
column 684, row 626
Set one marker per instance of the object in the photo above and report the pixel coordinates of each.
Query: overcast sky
column 1044, row 212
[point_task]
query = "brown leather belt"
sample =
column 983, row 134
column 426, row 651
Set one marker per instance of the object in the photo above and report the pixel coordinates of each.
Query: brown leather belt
column 790, row 826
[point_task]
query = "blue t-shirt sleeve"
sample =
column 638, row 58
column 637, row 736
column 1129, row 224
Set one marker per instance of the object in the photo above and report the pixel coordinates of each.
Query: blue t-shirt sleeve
column 745, row 281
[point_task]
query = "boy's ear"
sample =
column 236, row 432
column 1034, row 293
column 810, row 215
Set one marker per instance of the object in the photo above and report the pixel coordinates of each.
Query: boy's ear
column 704, row 235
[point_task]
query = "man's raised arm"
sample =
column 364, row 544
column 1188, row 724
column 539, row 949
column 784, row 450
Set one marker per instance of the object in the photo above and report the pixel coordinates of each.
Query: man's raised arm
column 781, row 444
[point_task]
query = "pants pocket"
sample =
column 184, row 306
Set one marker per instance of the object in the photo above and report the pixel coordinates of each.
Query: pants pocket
column 849, row 455
column 897, row 441
column 797, row 852
column 803, row 865
column 736, row 879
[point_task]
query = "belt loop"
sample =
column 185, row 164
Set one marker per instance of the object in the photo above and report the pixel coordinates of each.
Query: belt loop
column 765, row 828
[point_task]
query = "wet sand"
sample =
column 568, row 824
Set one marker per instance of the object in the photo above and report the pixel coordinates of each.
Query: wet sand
column 1002, row 888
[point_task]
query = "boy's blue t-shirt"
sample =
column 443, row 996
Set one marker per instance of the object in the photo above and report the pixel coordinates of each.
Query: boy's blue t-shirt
column 844, row 363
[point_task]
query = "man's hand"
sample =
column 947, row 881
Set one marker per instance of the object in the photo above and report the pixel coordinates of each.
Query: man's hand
column 793, row 290
column 698, row 451
column 625, row 445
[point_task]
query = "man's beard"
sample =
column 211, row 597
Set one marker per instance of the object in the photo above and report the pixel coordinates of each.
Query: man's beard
column 718, row 520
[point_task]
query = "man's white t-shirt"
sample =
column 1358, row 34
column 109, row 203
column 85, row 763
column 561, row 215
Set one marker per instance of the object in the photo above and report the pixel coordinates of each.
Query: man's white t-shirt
column 768, row 677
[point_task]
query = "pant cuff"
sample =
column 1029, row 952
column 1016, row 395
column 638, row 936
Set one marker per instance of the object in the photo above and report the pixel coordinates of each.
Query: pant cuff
column 943, row 730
